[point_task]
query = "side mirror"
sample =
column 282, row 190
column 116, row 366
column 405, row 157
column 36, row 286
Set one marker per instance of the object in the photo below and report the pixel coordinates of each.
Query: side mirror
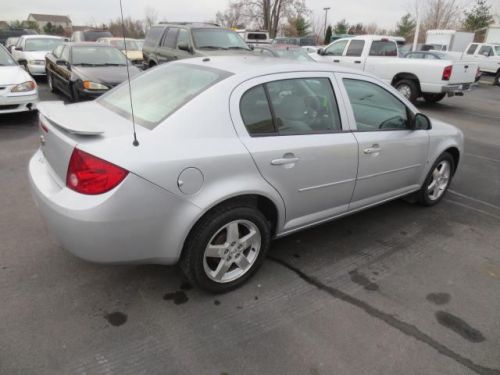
column 321, row 51
column 23, row 63
column 185, row 47
column 421, row 122
column 18, row 48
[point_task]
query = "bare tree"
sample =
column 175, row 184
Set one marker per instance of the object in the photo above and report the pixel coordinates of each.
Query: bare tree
column 150, row 17
column 232, row 17
column 269, row 15
column 442, row 14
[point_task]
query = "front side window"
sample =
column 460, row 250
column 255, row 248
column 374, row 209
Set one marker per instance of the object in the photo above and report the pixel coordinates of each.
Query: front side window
column 183, row 38
column 497, row 50
column 42, row 44
column 154, row 36
column 374, row 107
column 486, row 51
column 297, row 106
column 170, row 39
column 355, row 48
column 65, row 54
column 383, row 48
column 472, row 49
column 336, row 49
column 158, row 93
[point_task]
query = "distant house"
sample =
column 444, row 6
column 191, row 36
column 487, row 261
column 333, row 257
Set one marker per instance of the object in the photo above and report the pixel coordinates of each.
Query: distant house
column 55, row 20
column 4, row 25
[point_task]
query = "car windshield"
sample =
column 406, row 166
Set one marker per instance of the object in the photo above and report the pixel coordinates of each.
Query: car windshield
column 96, row 55
column 218, row 39
column 120, row 44
column 5, row 58
column 42, row 44
column 294, row 54
column 158, row 93
column 92, row 36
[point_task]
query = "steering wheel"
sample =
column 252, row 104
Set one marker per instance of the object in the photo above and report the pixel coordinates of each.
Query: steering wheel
column 388, row 122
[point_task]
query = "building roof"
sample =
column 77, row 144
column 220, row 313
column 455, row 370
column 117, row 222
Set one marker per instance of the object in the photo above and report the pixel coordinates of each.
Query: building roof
column 50, row 18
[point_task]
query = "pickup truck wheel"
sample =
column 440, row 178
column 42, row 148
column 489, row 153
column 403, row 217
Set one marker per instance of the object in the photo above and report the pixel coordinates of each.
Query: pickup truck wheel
column 408, row 89
column 433, row 98
column 496, row 82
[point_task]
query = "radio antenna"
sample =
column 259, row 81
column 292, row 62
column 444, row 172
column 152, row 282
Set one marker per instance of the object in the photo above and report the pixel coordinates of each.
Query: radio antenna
column 135, row 142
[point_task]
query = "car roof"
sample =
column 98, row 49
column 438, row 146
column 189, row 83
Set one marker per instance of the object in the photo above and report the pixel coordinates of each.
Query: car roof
column 261, row 65
column 114, row 38
column 191, row 25
column 42, row 36
column 87, row 44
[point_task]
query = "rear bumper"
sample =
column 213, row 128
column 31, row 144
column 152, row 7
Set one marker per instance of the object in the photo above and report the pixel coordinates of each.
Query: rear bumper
column 137, row 222
column 18, row 103
column 37, row 70
column 458, row 89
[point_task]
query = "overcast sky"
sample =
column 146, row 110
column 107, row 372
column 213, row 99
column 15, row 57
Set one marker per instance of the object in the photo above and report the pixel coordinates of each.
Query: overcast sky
column 383, row 12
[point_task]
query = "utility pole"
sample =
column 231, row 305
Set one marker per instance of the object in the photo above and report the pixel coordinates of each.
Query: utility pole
column 326, row 18
column 417, row 30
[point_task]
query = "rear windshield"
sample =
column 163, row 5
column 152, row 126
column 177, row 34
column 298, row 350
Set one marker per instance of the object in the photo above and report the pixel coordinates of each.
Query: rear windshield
column 218, row 39
column 92, row 36
column 95, row 56
column 257, row 36
column 160, row 92
column 42, row 44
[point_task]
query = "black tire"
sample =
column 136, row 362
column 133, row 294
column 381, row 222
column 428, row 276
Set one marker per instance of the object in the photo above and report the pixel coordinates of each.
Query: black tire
column 433, row 98
column 50, row 82
column 75, row 97
column 192, row 259
column 422, row 195
column 496, row 81
column 413, row 93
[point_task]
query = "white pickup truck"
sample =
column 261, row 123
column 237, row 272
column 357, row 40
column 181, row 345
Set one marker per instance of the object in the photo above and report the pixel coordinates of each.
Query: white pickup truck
column 487, row 56
column 414, row 78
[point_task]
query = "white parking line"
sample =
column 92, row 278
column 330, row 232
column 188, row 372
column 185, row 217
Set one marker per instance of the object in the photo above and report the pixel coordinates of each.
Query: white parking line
column 482, row 157
column 474, row 199
column 473, row 208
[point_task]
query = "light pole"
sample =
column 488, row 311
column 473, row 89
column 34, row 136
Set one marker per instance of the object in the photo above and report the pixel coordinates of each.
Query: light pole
column 326, row 18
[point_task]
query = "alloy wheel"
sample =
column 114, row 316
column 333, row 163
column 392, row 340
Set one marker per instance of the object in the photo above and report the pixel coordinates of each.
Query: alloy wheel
column 440, row 180
column 232, row 251
column 405, row 90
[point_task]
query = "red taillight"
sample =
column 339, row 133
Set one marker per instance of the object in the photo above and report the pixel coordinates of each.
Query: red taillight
column 447, row 73
column 90, row 175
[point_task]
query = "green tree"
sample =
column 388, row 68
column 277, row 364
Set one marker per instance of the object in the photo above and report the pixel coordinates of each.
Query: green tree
column 406, row 26
column 341, row 27
column 49, row 28
column 328, row 35
column 478, row 17
column 17, row 24
column 301, row 25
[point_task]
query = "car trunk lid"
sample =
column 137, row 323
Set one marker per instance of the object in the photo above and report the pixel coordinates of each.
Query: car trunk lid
column 463, row 72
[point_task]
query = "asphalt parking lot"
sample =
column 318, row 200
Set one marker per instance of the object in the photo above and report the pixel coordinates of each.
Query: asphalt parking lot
column 398, row 289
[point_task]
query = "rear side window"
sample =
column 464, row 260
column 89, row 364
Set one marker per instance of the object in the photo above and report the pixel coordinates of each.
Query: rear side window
column 355, row 48
column 256, row 113
column 183, row 38
column 154, row 36
column 170, row 39
column 383, row 48
column 472, row 49
column 374, row 107
column 296, row 107
column 160, row 92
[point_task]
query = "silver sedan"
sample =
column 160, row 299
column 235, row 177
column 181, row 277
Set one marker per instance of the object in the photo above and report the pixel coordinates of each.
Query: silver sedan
column 232, row 152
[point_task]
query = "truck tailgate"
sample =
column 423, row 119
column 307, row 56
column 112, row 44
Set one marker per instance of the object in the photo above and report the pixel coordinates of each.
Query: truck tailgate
column 463, row 72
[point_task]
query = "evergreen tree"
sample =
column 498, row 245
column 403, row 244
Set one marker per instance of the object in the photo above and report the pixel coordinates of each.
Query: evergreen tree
column 341, row 27
column 328, row 35
column 478, row 17
column 406, row 26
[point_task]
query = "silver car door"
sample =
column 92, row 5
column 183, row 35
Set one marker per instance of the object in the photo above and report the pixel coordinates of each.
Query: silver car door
column 392, row 157
column 292, row 126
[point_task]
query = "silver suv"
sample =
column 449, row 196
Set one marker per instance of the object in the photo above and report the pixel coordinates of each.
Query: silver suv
column 175, row 41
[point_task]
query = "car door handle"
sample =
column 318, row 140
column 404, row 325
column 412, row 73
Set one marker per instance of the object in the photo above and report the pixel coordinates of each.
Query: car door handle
column 337, row 61
column 357, row 62
column 284, row 161
column 372, row 150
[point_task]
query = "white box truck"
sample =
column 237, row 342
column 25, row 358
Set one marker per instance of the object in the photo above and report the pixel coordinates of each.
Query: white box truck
column 493, row 34
column 447, row 40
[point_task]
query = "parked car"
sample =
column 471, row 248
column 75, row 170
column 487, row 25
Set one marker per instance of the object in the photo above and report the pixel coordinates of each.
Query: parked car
column 487, row 55
column 284, row 51
column 426, row 55
column 430, row 79
column 14, row 32
column 18, row 90
column 233, row 152
column 90, row 35
column 83, row 71
column 169, row 42
column 133, row 50
column 11, row 42
column 30, row 51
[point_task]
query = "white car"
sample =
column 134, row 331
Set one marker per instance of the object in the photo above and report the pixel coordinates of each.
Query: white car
column 378, row 55
column 18, row 90
column 487, row 55
column 30, row 51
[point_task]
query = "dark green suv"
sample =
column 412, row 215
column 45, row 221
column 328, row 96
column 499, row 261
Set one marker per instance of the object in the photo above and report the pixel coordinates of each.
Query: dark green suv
column 175, row 41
